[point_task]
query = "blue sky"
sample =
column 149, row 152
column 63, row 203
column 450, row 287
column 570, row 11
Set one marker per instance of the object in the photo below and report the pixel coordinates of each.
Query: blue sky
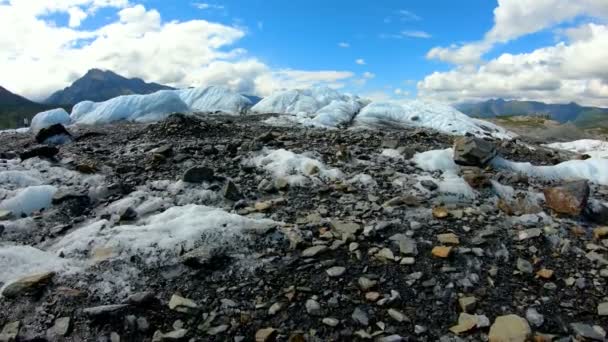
column 451, row 51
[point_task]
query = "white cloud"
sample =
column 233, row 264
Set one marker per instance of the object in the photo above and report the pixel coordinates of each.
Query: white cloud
column 568, row 71
column 38, row 57
column 416, row 34
column 344, row 45
column 360, row 61
column 206, row 6
column 406, row 15
column 516, row 18
column 368, row 75
column 574, row 69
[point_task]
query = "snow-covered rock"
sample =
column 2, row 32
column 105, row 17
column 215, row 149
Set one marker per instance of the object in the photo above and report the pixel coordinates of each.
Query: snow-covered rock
column 591, row 147
column 49, row 118
column 137, row 108
column 321, row 107
column 450, row 181
column 432, row 115
column 215, row 99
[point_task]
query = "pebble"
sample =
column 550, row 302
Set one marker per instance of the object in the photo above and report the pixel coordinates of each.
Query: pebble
column 335, row 271
column 398, row 315
column 313, row 251
column 360, row 316
column 266, row 335
column 62, row 326
column 181, row 304
column 534, row 317
column 511, row 328
column 366, row 283
column 104, row 309
column 441, row 251
column 330, row 321
column 313, row 307
column 467, row 304
column 448, row 239
column 524, row 266
column 602, row 309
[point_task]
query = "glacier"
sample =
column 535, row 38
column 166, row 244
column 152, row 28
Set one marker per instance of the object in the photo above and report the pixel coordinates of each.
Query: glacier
column 159, row 105
column 317, row 107
column 591, row 147
column 49, row 118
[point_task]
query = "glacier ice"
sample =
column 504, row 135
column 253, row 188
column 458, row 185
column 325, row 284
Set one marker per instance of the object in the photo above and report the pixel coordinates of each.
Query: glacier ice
column 321, row 107
column 139, row 108
column 214, row 99
column 416, row 113
column 30, row 199
column 49, row 118
column 159, row 105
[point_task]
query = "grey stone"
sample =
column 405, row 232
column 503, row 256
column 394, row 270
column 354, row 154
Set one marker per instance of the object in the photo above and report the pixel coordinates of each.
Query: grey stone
column 524, row 266
column 407, row 246
column 104, row 309
column 587, row 331
column 335, row 271
column 231, row 191
column 471, row 151
column 199, row 174
column 360, row 316
column 534, row 317
column 313, row 251
column 313, row 307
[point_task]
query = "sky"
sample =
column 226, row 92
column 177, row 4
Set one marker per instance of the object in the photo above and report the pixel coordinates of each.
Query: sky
column 450, row 51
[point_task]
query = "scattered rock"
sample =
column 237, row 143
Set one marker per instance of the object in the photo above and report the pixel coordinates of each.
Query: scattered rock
column 587, row 331
column 10, row 332
column 231, row 191
column 313, row 307
column 398, row 315
column 441, row 251
column 40, row 151
column 104, row 309
column 313, row 251
column 509, row 328
column 568, row 199
column 266, row 335
column 199, row 174
column 448, row 239
column 360, row 317
column 55, row 134
column 467, row 304
column 534, row 317
column 27, row 285
column 471, row 151
column 602, row 309
column 440, row 212
column 181, row 304
column 336, row 271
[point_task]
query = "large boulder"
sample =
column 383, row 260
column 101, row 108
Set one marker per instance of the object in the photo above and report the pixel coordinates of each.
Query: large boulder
column 55, row 135
column 569, row 199
column 471, row 151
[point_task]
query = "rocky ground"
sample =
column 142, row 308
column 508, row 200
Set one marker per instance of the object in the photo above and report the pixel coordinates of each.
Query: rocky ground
column 372, row 253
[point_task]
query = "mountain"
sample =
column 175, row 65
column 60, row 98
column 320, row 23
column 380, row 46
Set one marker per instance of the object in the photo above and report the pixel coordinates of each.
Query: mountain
column 101, row 85
column 14, row 108
column 570, row 112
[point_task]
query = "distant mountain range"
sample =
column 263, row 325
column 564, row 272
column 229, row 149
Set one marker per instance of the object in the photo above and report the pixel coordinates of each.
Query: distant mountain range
column 101, row 85
column 584, row 117
column 15, row 108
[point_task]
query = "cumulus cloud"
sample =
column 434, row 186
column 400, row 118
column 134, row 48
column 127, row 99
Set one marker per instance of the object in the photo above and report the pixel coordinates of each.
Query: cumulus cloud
column 38, row 56
column 360, row 61
column 344, row 45
column 516, row 18
column 568, row 71
column 574, row 69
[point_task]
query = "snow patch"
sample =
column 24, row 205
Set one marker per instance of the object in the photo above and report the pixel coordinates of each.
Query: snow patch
column 20, row 261
column 450, row 181
column 50, row 118
column 594, row 170
column 297, row 169
column 593, row 148
column 162, row 237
